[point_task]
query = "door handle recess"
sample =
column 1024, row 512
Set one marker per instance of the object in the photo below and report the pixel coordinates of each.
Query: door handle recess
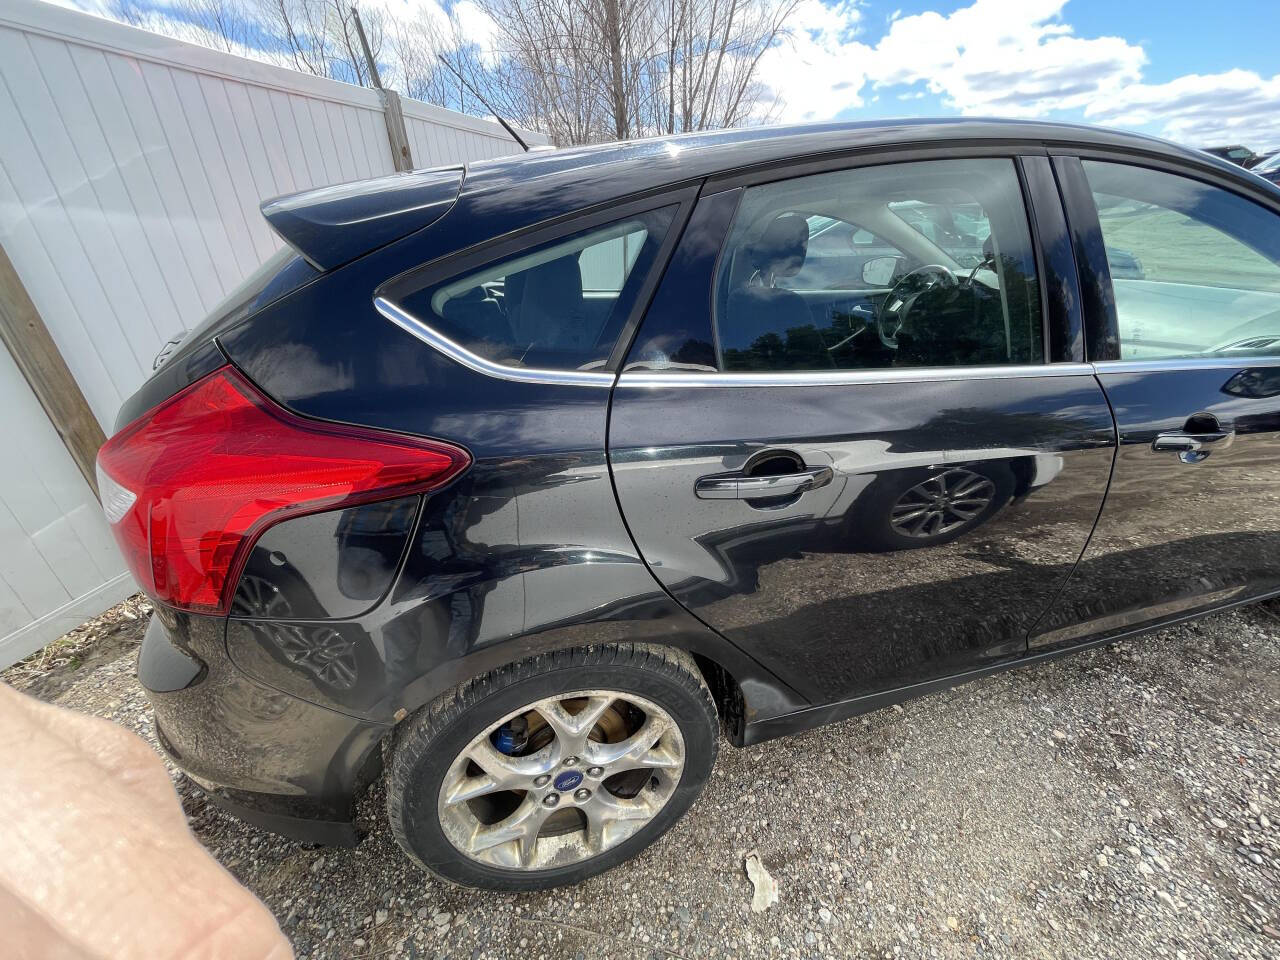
column 1191, row 447
column 737, row 487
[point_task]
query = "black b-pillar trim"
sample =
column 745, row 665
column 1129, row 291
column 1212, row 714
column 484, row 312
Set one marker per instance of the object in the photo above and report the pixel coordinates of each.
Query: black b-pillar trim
column 1097, row 297
column 1064, row 326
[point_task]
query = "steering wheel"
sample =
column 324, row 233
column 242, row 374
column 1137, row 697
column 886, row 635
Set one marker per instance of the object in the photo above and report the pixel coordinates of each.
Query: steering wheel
column 895, row 307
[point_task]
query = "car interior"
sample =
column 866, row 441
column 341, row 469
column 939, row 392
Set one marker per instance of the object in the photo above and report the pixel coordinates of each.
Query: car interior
column 873, row 270
column 554, row 307
column 878, row 292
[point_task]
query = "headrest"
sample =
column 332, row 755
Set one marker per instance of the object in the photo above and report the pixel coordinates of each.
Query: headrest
column 552, row 286
column 782, row 246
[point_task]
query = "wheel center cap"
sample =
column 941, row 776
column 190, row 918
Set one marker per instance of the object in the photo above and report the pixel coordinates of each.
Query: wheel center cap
column 568, row 780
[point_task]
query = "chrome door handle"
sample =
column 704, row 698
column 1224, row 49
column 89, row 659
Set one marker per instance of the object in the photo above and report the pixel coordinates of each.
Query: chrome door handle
column 737, row 487
column 1191, row 447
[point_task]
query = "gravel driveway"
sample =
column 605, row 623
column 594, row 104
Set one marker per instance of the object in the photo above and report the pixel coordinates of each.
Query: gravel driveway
column 1119, row 803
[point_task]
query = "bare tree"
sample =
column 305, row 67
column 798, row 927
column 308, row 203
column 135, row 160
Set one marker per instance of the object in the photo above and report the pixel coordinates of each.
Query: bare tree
column 131, row 12
column 580, row 70
column 225, row 22
column 319, row 36
column 716, row 46
column 605, row 69
column 228, row 25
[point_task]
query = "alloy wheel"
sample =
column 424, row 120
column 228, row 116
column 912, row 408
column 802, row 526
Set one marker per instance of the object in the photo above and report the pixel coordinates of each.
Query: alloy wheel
column 561, row 780
column 945, row 502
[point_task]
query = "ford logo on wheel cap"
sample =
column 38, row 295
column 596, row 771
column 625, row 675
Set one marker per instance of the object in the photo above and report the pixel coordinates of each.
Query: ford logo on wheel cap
column 568, row 780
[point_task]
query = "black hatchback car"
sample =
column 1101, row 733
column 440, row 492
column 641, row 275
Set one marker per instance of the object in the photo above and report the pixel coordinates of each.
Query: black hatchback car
column 513, row 483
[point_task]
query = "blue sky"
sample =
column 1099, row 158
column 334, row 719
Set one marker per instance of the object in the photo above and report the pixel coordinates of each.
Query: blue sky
column 1198, row 72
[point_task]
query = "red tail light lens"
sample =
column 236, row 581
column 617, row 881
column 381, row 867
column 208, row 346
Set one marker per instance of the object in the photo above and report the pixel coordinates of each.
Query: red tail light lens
column 191, row 485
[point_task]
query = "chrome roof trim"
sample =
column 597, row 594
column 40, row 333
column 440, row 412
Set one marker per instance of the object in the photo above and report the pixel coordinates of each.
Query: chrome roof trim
column 833, row 378
column 473, row 361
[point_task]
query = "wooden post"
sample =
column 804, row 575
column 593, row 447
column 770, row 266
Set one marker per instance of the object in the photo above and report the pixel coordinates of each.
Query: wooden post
column 23, row 331
column 397, row 135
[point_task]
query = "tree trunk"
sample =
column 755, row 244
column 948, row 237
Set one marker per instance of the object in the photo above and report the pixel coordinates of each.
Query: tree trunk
column 618, row 90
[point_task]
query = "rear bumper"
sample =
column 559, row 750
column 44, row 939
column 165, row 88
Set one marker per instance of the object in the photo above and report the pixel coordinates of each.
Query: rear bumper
column 269, row 758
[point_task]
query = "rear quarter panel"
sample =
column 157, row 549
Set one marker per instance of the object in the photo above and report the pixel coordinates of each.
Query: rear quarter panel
column 525, row 552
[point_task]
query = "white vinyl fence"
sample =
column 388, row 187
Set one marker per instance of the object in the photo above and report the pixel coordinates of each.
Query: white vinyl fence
column 131, row 170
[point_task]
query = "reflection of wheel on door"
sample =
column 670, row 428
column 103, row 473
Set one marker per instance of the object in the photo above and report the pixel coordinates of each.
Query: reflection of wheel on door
column 926, row 507
column 552, row 769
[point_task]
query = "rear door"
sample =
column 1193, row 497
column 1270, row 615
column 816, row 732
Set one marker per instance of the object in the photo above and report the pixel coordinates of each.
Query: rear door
column 871, row 496
column 1186, row 341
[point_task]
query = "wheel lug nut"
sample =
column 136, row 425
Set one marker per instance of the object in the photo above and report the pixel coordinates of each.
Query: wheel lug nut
column 551, row 799
column 582, row 794
column 570, row 761
column 542, row 780
column 595, row 771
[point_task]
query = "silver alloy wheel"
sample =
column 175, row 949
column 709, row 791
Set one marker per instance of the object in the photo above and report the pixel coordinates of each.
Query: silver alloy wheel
column 946, row 501
column 571, row 779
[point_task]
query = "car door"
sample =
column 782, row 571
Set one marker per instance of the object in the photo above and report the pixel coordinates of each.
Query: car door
column 1186, row 344
column 865, row 502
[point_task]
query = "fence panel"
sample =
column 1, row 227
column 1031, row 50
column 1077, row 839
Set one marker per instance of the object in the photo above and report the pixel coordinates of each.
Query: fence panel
column 132, row 167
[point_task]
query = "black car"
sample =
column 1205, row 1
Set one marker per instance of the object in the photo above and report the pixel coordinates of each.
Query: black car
column 1236, row 153
column 512, row 484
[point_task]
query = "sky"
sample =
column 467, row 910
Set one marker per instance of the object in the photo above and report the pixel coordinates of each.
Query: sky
column 1200, row 73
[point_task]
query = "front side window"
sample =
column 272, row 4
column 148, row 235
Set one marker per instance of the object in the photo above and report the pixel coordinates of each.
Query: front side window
column 558, row 306
column 1195, row 269
column 905, row 265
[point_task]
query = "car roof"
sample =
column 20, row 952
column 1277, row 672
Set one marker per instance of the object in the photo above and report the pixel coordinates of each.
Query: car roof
column 653, row 162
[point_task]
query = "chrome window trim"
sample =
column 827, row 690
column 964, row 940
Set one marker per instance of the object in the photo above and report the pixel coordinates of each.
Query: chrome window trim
column 833, row 378
column 473, row 361
column 1175, row 364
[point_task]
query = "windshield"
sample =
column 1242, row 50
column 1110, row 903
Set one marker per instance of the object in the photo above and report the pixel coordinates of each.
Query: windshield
column 1270, row 164
column 959, row 228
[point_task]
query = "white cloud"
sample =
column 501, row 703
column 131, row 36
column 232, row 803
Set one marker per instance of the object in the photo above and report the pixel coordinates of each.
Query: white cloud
column 478, row 27
column 99, row 8
column 1238, row 106
column 815, row 73
column 1013, row 58
column 1006, row 57
column 463, row 22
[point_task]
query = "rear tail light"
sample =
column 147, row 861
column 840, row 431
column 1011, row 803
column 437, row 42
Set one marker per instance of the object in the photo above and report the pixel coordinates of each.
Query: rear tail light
column 190, row 486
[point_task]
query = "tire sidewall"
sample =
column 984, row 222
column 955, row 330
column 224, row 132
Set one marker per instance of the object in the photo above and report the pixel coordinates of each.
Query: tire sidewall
column 686, row 702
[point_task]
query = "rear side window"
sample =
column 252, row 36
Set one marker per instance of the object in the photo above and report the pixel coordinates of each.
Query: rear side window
column 925, row 264
column 556, row 306
column 1195, row 268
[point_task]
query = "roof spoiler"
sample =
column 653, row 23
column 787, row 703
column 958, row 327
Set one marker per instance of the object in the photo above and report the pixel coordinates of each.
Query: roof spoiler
column 334, row 225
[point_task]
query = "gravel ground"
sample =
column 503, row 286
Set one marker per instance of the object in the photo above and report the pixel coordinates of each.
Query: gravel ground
column 1119, row 803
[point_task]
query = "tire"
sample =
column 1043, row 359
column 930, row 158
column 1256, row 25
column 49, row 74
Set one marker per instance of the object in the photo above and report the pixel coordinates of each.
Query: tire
column 871, row 525
column 651, row 685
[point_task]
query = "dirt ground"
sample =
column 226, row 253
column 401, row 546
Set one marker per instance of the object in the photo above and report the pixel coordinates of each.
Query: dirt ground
column 1119, row 803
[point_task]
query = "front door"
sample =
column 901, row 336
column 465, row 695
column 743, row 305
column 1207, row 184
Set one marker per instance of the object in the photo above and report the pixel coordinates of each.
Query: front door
column 866, row 477
column 1190, row 360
